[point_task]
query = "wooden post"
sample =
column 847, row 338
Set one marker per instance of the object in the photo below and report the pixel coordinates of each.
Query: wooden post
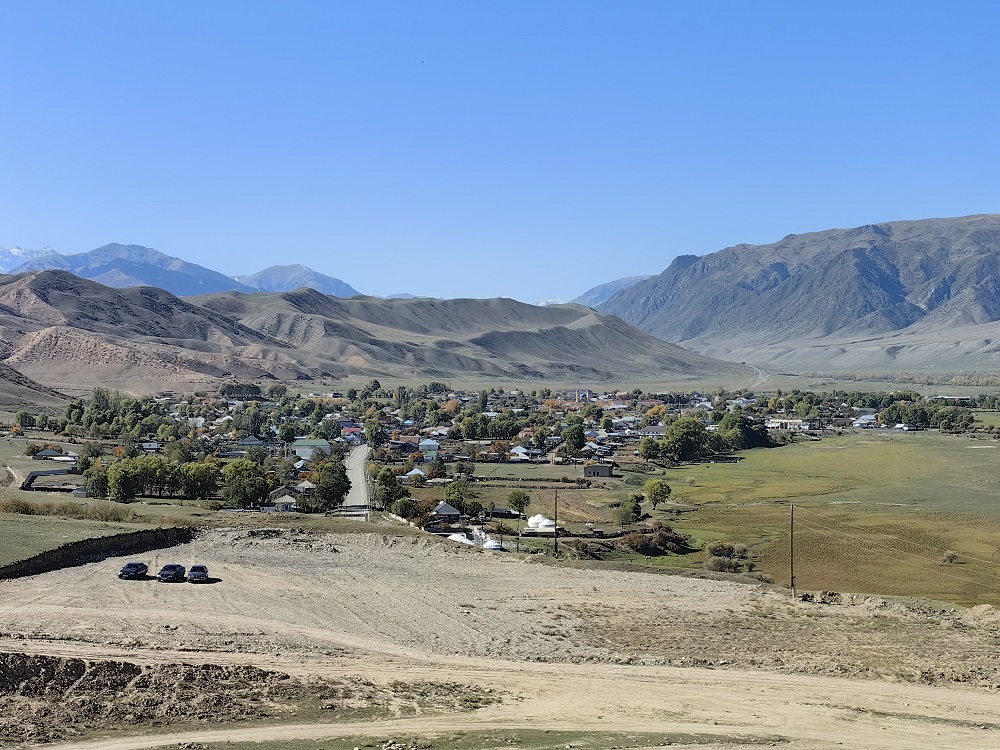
column 555, row 528
column 791, row 548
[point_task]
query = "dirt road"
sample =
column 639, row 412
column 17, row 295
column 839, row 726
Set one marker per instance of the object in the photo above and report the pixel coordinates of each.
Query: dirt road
column 598, row 651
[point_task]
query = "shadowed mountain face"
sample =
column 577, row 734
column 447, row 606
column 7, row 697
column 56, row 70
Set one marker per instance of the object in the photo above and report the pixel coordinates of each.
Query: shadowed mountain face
column 58, row 327
column 134, row 265
column 290, row 278
column 819, row 294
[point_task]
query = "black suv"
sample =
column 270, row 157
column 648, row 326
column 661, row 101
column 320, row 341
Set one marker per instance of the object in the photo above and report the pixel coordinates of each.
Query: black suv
column 170, row 573
column 133, row 570
column 198, row 574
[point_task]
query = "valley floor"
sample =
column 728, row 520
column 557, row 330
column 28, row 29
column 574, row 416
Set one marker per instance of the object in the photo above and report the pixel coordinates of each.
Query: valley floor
column 618, row 659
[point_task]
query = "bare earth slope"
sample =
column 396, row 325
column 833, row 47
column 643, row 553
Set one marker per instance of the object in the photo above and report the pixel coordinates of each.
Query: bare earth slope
column 727, row 664
column 61, row 328
column 808, row 298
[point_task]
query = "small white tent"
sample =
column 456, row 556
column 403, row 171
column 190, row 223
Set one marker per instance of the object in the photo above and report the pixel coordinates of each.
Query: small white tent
column 540, row 522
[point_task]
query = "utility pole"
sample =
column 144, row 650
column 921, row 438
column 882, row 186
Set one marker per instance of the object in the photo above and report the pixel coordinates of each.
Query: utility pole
column 555, row 528
column 791, row 548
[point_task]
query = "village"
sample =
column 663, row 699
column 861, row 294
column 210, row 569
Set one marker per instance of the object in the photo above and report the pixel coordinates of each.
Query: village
column 443, row 459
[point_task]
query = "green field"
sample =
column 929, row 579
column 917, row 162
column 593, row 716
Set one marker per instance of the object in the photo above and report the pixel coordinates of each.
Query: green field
column 24, row 536
column 876, row 511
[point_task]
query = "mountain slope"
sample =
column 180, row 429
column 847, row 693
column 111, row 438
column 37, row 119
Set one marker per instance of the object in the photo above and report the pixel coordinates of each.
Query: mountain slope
column 63, row 329
column 602, row 292
column 134, row 265
column 838, row 285
column 290, row 278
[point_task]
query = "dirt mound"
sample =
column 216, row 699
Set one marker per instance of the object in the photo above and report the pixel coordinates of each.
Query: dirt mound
column 45, row 698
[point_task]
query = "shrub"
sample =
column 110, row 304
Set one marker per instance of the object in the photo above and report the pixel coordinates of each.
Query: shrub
column 949, row 556
column 720, row 549
column 638, row 543
column 719, row 564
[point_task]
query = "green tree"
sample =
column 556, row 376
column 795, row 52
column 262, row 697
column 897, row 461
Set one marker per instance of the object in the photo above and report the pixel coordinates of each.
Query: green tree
column 518, row 500
column 275, row 391
column 657, row 491
column 332, row 485
column 96, row 481
column 24, row 419
column 199, row 479
column 629, row 511
column 574, row 437
column 374, row 434
column 648, row 449
column 387, row 490
column 685, row 439
column 244, row 483
column 256, row 453
column 124, row 481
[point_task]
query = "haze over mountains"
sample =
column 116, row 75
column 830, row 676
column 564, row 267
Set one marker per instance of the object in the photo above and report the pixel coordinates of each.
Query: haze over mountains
column 59, row 328
column 904, row 293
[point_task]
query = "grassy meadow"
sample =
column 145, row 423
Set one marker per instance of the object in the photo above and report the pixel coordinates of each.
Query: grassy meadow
column 876, row 511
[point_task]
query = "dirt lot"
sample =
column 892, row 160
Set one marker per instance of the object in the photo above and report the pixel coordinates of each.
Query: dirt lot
column 605, row 653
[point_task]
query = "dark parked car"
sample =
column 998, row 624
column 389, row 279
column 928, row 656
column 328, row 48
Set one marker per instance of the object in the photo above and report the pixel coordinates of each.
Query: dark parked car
column 133, row 570
column 198, row 574
column 171, row 573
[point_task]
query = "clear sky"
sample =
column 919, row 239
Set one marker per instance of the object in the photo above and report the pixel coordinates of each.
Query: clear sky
column 523, row 149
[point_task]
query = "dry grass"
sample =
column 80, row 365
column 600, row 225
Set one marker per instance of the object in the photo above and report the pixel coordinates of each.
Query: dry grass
column 91, row 511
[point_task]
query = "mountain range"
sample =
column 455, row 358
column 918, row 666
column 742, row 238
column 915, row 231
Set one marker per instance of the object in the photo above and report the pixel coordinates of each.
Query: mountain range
column 122, row 266
column 290, row 278
column 64, row 330
column 903, row 293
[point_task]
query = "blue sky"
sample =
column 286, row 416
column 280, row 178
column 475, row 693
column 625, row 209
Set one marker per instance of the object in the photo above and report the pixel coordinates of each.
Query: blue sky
column 521, row 149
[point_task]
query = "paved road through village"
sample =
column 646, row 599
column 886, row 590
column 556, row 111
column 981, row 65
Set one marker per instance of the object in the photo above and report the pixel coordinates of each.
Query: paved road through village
column 357, row 498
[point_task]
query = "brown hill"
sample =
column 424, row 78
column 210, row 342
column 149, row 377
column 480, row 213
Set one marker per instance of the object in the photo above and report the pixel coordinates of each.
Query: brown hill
column 64, row 329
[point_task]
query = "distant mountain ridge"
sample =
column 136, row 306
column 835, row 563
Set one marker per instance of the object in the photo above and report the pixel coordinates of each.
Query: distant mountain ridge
column 809, row 298
column 59, row 328
column 123, row 266
column 290, row 278
column 12, row 257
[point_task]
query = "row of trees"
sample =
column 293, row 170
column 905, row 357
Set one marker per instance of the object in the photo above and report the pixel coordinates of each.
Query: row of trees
column 243, row 483
column 688, row 438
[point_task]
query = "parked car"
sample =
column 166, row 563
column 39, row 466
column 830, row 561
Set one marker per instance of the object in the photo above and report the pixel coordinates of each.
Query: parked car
column 133, row 570
column 198, row 574
column 170, row 573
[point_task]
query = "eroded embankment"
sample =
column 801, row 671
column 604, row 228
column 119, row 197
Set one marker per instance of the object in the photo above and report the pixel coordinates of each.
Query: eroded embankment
column 45, row 698
column 99, row 548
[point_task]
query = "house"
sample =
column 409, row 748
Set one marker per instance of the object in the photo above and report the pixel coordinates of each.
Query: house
column 409, row 476
column 653, row 431
column 406, row 447
column 151, row 446
column 597, row 470
column 519, row 453
column 45, row 454
column 445, row 512
column 428, row 445
column 792, row 425
column 284, row 504
column 865, row 421
column 304, row 447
